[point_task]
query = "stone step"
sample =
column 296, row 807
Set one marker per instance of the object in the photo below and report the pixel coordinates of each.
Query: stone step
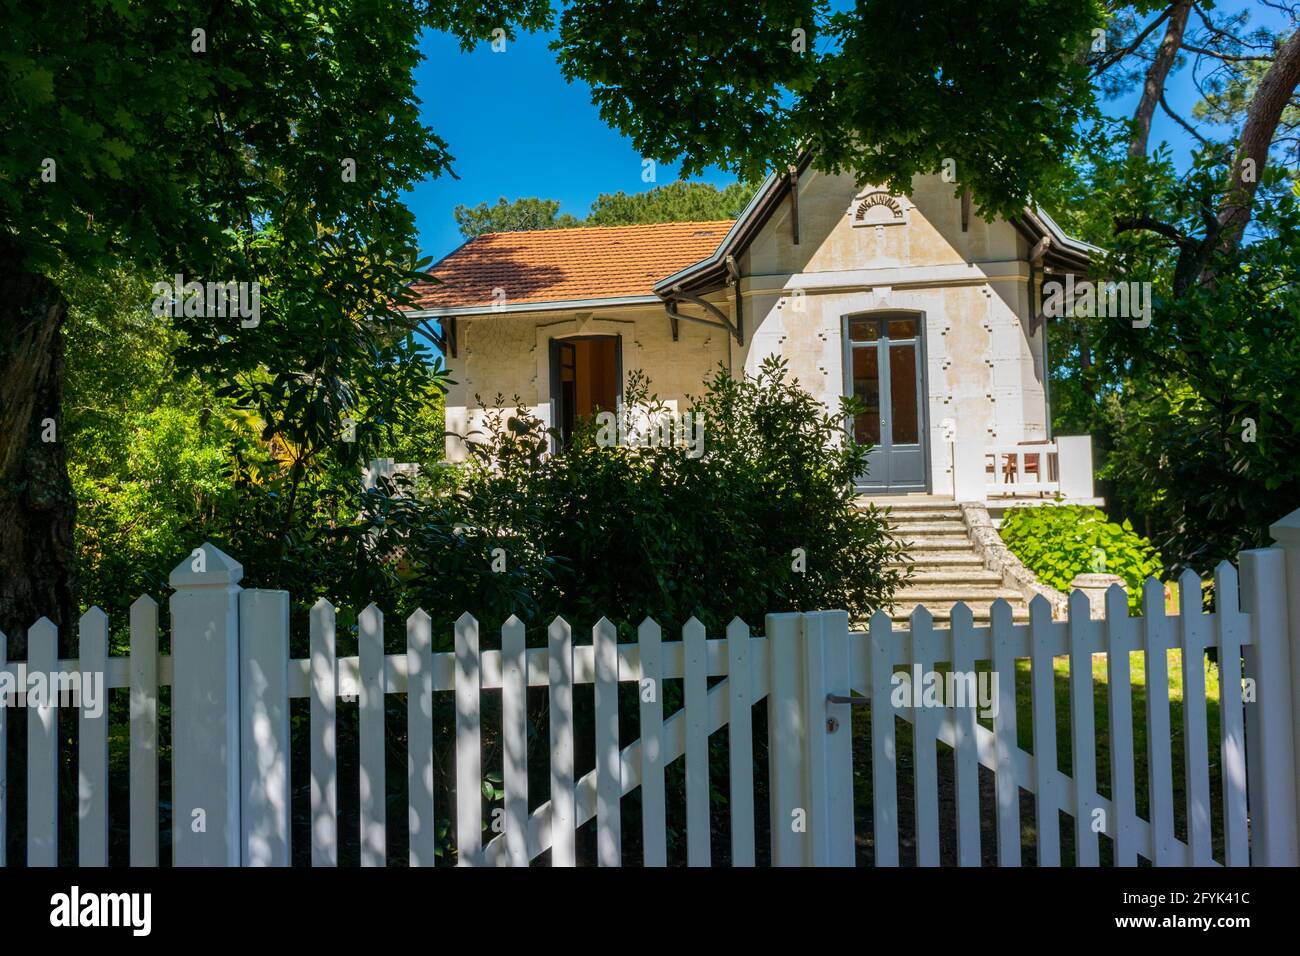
column 930, row 514
column 939, row 543
column 928, row 593
column 898, row 510
column 946, row 559
column 929, row 528
column 908, row 502
column 959, row 575
column 942, row 611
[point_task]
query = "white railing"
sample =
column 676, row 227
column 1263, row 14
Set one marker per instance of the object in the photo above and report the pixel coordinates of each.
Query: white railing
column 233, row 680
column 1059, row 468
column 1022, row 469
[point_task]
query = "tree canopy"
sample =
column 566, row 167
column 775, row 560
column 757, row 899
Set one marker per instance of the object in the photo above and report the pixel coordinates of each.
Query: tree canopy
column 679, row 201
column 254, row 144
column 886, row 90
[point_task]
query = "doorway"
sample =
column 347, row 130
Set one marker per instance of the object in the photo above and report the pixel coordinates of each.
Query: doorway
column 885, row 371
column 586, row 378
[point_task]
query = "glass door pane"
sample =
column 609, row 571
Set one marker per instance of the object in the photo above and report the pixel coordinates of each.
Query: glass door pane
column 902, row 394
column 866, row 388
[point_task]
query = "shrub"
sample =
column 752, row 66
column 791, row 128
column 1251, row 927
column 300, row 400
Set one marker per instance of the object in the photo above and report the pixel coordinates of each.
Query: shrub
column 763, row 521
column 1059, row 542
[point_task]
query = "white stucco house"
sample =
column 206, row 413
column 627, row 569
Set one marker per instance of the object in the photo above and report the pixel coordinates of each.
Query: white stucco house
column 927, row 312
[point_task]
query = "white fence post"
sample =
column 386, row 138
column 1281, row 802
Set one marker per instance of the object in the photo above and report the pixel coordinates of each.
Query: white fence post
column 205, row 709
column 828, row 754
column 1074, row 466
column 264, row 729
column 969, row 481
column 1270, row 720
column 1286, row 533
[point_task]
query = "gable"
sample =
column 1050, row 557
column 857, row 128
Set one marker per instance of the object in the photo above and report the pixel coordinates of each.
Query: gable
column 844, row 227
column 804, row 210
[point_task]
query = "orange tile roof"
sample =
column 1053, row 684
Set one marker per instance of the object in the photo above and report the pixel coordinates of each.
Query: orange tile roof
column 556, row 265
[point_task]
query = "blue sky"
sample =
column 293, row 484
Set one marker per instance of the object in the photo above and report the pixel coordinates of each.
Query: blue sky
column 518, row 129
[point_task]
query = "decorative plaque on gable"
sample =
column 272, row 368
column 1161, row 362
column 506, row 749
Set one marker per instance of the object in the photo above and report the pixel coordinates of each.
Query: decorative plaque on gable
column 878, row 208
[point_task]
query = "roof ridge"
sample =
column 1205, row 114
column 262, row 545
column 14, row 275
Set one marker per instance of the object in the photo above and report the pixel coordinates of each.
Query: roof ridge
column 639, row 225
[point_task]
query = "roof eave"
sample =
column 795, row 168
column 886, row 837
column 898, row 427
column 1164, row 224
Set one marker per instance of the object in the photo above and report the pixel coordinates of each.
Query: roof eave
column 554, row 305
column 708, row 271
column 1064, row 252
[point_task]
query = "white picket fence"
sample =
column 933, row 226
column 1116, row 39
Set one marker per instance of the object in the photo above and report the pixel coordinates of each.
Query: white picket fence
column 232, row 682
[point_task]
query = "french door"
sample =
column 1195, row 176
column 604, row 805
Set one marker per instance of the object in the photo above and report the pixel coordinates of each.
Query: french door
column 885, row 373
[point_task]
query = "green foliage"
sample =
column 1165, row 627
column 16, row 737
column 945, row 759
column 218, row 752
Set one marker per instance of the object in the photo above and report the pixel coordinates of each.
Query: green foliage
column 160, row 463
column 680, row 201
column 885, row 90
column 149, row 454
column 626, row 531
column 1057, row 542
column 511, row 216
column 1191, row 415
column 675, row 202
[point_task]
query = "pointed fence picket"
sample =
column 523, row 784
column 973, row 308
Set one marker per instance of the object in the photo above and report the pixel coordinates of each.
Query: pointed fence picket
column 884, row 761
column 1001, row 635
column 697, row 745
column 324, row 675
column 654, row 835
column 809, row 671
column 42, row 752
column 514, row 719
column 373, row 801
column 741, row 744
column 1043, row 683
column 609, row 786
column 1196, row 761
column 419, row 737
column 92, row 746
column 469, row 754
column 924, row 746
column 965, row 751
column 563, row 817
column 5, row 704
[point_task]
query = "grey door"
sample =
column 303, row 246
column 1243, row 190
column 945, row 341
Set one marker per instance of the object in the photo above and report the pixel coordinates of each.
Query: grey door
column 885, row 373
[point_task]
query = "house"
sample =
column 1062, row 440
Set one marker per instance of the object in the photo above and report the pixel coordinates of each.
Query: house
column 928, row 313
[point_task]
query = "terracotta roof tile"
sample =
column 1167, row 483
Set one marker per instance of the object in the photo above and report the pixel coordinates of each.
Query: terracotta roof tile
column 556, row 265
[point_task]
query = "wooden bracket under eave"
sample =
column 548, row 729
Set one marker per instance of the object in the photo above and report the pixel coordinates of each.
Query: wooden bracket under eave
column 448, row 325
column 794, row 204
column 1036, row 274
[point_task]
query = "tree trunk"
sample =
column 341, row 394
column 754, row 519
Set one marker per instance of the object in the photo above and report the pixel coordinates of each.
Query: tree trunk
column 37, row 507
column 1262, row 117
column 1154, row 85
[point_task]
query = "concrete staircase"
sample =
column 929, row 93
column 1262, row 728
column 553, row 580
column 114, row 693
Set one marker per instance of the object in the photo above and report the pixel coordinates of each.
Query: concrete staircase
column 947, row 568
